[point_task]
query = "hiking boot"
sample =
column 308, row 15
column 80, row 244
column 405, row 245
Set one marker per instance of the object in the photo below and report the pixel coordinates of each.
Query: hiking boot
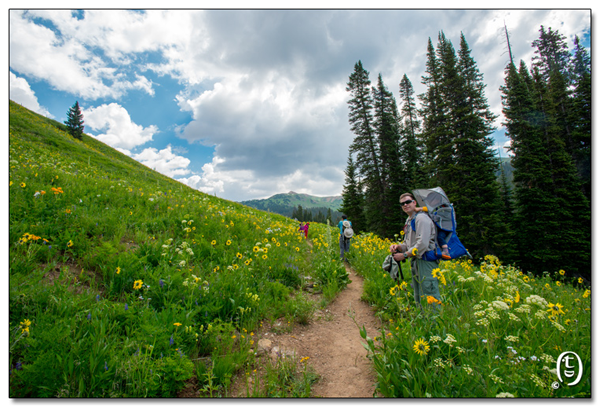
column 446, row 254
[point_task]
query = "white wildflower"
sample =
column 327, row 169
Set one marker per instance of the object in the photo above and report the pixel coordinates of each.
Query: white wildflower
column 495, row 378
column 501, row 305
column 537, row 300
column 449, row 339
column 483, row 322
column 547, row 358
column 538, row 382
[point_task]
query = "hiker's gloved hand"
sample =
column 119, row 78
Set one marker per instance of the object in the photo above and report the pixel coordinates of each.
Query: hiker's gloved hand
column 399, row 257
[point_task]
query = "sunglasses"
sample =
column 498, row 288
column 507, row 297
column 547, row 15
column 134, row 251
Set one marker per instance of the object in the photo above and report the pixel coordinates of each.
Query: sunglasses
column 406, row 202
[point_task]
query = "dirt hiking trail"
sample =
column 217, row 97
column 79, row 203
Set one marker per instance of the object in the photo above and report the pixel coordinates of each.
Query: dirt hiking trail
column 333, row 345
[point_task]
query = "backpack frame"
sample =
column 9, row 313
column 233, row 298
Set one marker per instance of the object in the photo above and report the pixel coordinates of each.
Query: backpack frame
column 441, row 211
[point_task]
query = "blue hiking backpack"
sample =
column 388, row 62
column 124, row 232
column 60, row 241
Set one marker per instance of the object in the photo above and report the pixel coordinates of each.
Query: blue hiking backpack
column 441, row 212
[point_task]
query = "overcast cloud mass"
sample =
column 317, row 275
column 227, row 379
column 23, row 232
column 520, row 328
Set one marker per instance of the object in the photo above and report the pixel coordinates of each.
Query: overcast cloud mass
column 246, row 103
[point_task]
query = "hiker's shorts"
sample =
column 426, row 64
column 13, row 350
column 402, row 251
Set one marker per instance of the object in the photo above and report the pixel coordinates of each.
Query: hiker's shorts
column 424, row 283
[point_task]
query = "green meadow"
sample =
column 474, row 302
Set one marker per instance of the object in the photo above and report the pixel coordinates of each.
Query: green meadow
column 126, row 283
column 498, row 331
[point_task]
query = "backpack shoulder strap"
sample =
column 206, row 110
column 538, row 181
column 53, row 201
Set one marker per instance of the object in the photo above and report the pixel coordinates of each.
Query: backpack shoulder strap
column 412, row 222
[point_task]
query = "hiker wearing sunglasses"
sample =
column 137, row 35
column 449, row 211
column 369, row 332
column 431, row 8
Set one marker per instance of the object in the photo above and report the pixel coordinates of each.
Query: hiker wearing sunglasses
column 416, row 243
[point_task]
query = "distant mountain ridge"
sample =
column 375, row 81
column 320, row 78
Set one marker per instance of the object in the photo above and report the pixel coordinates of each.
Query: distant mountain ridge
column 286, row 203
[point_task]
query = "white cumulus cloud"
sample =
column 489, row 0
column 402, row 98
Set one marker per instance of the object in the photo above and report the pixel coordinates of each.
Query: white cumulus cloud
column 239, row 184
column 115, row 126
column 21, row 92
column 64, row 60
column 163, row 161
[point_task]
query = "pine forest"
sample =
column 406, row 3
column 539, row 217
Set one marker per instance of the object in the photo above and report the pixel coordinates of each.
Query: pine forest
column 541, row 220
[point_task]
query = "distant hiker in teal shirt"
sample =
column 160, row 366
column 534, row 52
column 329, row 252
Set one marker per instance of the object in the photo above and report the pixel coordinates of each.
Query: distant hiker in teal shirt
column 344, row 241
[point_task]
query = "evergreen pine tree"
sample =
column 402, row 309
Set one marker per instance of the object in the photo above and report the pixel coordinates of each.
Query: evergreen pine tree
column 431, row 112
column 411, row 152
column 386, row 127
column 365, row 145
column 352, row 199
column 552, row 219
column 581, row 115
column 457, row 128
column 475, row 167
column 74, row 121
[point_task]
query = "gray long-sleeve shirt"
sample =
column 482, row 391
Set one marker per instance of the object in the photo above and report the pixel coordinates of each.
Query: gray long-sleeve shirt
column 423, row 238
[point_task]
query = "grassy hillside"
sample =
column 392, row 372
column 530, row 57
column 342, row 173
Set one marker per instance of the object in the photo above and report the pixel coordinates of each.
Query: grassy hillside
column 126, row 283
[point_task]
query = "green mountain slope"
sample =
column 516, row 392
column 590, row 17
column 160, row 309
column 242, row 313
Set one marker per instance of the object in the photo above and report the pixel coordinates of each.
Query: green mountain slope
column 126, row 283
column 286, row 203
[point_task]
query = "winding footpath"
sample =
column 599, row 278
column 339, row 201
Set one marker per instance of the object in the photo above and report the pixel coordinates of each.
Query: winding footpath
column 333, row 345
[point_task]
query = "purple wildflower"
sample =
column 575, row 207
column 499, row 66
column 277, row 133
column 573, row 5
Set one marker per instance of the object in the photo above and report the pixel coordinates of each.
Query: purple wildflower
column 171, row 341
column 126, row 307
column 19, row 366
column 105, row 365
column 89, row 316
column 161, row 283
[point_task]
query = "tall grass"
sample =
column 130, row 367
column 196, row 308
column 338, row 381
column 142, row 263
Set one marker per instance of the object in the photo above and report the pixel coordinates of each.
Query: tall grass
column 125, row 283
column 497, row 333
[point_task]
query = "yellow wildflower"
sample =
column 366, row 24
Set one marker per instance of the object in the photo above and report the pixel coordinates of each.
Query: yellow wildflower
column 137, row 284
column 421, row 347
column 555, row 309
column 118, row 270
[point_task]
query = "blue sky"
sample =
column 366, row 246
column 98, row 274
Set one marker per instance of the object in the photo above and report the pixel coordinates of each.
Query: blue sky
column 246, row 103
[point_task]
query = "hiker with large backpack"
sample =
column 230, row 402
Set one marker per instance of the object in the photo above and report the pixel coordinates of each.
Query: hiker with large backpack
column 346, row 234
column 420, row 238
